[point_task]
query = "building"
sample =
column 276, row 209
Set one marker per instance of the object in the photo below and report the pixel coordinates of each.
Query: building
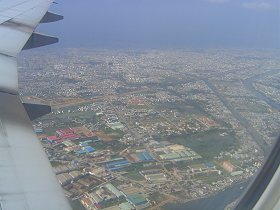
column 38, row 130
column 144, row 156
column 99, row 172
column 113, row 190
column 236, row 173
column 64, row 131
column 75, row 174
column 85, row 150
column 68, row 143
column 176, row 152
column 64, row 178
column 89, row 149
column 87, row 203
column 117, row 164
column 70, row 136
column 72, row 148
column 54, row 139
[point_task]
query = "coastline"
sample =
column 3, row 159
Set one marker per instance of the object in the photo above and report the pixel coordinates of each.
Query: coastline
column 220, row 200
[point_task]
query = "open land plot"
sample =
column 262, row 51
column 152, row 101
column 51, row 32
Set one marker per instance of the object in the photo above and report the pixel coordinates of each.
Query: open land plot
column 207, row 144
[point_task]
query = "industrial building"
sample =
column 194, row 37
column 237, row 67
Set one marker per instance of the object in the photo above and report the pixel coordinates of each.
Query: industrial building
column 176, row 152
column 85, row 150
column 144, row 156
column 114, row 190
column 117, row 164
column 64, row 178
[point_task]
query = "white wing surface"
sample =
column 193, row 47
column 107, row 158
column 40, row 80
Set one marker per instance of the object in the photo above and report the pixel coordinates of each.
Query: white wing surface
column 26, row 178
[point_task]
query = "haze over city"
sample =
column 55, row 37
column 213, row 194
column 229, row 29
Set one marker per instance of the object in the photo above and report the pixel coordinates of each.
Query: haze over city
column 172, row 24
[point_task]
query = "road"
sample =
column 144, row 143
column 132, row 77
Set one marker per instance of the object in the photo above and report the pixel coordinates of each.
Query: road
column 242, row 120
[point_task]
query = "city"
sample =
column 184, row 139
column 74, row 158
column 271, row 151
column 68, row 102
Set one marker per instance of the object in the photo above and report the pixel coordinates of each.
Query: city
column 146, row 129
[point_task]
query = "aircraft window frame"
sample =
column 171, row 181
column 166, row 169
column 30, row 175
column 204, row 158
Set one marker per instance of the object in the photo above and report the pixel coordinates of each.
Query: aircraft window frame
column 262, row 179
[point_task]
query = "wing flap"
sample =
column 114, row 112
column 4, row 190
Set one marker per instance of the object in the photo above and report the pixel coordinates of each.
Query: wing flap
column 26, row 177
column 9, row 74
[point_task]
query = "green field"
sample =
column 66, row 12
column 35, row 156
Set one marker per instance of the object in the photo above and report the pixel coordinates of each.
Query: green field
column 210, row 178
column 117, row 134
column 135, row 175
column 189, row 107
column 157, row 197
column 134, row 167
column 207, row 144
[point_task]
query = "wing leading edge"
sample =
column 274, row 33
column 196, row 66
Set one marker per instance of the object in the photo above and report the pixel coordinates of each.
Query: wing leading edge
column 26, row 178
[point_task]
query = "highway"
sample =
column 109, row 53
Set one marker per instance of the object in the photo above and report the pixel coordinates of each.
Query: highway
column 242, row 120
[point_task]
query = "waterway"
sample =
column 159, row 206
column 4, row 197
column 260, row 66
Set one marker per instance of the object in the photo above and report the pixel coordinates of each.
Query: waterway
column 216, row 202
column 249, row 85
column 242, row 120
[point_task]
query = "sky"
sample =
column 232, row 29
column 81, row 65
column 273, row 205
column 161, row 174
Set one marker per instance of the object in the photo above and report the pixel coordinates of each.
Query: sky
column 166, row 24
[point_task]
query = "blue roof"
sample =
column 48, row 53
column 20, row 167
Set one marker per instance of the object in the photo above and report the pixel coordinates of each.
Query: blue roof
column 115, row 165
column 83, row 144
column 89, row 149
column 141, row 156
column 209, row 165
column 144, row 156
column 148, row 156
column 81, row 152
column 114, row 168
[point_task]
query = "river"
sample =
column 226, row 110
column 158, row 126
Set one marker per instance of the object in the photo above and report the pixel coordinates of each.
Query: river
column 215, row 202
column 249, row 85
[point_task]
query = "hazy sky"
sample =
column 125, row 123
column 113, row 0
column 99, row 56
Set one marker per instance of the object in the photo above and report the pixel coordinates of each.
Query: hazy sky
column 167, row 23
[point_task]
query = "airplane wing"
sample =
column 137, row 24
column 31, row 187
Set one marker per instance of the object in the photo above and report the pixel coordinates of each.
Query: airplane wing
column 264, row 191
column 26, row 177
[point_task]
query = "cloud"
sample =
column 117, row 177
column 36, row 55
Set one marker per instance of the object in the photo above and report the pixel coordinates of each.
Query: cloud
column 218, row 1
column 257, row 5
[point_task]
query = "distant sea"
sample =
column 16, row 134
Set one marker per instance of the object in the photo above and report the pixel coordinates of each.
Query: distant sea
column 215, row 202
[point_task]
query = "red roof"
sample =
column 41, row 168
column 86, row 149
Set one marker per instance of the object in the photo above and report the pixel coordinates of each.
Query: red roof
column 70, row 136
column 90, row 134
column 53, row 138
column 59, row 140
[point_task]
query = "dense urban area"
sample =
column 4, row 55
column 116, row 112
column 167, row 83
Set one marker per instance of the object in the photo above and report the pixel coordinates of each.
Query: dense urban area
column 146, row 129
